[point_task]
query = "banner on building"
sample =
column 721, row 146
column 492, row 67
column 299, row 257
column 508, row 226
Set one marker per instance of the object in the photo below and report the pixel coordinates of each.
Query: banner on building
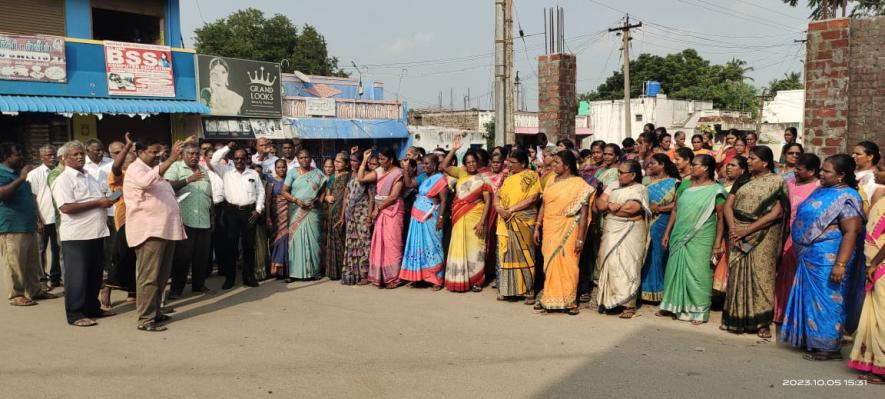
column 236, row 87
column 135, row 69
column 39, row 58
column 320, row 107
column 244, row 128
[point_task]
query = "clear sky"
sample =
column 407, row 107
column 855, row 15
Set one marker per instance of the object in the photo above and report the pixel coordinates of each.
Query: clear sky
column 422, row 48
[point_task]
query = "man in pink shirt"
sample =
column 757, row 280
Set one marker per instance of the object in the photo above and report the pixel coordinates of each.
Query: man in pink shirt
column 153, row 224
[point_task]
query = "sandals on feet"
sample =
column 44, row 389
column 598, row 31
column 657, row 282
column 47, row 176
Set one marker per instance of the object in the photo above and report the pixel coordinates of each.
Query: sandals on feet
column 22, row 301
column 84, row 323
column 530, row 300
column 161, row 318
column 871, row 378
column 663, row 313
column 574, row 311
column 764, row 333
column 437, row 287
column 821, row 356
column 151, row 327
column 476, row 288
column 105, row 313
column 44, row 295
column 628, row 313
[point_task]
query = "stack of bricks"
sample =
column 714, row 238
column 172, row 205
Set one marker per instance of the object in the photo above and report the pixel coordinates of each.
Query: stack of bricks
column 844, row 83
column 557, row 97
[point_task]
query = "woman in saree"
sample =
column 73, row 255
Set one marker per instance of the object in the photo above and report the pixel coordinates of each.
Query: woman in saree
column 515, row 204
column 547, row 170
column 386, row 255
column 465, row 263
column 424, row 256
column 608, row 173
column 494, row 175
column 698, row 145
column 755, row 213
column 692, row 235
column 304, row 187
column 866, row 155
column 333, row 227
column 593, row 163
column 799, row 188
column 727, row 153
column 868, row 353
column 663, row 179
column 358, row 226
column 624, row 240
column 564, row 215
column 826, row 236
column 278, row 221
column 792, row 151
column 682, row 160
column 736, row 168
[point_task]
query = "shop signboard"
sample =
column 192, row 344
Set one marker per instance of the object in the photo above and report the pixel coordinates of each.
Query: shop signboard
column 243, row 128
column 39, row 58
column 320, row 107
column 135, row 69
column 237, row 87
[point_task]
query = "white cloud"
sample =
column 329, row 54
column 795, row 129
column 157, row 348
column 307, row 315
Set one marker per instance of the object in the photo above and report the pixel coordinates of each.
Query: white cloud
column 415, row 41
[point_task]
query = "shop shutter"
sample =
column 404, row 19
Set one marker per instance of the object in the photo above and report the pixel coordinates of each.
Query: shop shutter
column 32, row 17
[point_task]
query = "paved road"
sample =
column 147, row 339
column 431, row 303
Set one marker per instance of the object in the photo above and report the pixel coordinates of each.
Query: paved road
column 322, row 339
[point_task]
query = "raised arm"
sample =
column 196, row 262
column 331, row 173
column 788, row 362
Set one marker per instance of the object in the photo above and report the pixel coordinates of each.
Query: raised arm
column 362, row 175
column 444, row 166
column 120, row 159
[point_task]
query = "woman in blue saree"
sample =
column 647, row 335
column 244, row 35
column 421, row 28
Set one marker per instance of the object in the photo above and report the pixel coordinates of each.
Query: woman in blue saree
column 825, row 236
column 424, row 257
column 663, row 178
column 303, row 187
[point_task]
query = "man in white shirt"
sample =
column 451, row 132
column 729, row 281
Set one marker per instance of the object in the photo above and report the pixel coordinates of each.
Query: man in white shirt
column 541, row 138
column 82, row 231
column 263, row 155
column 98, row 167
column 46, row 212
column 244, row 193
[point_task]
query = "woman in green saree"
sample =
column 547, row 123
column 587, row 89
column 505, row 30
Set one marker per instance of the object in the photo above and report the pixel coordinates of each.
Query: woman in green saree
column 695, row 226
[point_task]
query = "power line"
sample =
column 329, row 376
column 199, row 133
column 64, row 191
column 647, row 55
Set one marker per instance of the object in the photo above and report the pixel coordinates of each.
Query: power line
column 719, row 9
column 772, row 10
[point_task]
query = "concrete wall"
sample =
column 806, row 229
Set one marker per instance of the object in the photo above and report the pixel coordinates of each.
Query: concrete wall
column 845, row 83
column 607, row 117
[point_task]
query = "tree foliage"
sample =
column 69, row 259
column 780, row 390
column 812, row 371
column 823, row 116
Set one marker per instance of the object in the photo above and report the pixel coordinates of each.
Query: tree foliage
column 251, row 35
column 857, row 8
column 791, row 81
column 685, row 75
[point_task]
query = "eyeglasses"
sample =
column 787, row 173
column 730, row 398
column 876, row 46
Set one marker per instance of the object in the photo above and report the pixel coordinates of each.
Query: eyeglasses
column 794, row 153
column 624, row 173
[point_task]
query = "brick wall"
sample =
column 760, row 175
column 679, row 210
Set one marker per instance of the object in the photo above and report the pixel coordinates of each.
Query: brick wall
column 844, row 83
column 463, row 120
column 557, row 97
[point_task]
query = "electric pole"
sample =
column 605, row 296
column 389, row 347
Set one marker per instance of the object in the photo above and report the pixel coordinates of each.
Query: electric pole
column 625, row 33
column 503, row 72
column 762, row 99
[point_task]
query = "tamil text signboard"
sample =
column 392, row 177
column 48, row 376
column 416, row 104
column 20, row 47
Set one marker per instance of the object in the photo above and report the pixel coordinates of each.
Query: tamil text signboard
column 38, row 58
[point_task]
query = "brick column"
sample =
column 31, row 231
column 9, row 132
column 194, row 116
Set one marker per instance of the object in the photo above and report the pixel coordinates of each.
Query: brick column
column 557, row 97
column 826, row 86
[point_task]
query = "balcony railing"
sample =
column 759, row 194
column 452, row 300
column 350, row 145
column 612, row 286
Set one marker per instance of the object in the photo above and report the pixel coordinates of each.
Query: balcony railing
column 346, row 109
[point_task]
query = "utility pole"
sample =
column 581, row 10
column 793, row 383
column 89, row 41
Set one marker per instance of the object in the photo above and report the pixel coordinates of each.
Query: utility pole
column 762, row 99
column 625, row 33
column 503, row 75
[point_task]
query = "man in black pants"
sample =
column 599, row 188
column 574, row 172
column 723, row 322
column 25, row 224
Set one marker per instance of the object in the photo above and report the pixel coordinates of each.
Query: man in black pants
column 244, row 193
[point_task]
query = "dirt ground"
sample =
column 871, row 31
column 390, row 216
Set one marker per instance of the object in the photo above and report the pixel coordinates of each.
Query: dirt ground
column 322, row 339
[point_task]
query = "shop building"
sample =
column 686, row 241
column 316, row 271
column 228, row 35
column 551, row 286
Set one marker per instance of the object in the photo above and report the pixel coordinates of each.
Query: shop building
column 80, row 69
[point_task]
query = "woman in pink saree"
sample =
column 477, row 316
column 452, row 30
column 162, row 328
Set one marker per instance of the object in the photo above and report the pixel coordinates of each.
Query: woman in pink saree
column 386, row 255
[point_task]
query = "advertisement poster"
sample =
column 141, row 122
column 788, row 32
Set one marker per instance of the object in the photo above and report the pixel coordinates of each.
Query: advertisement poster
column 135, row 69
column 235, row 87
column 252, row 128
column 36, row 58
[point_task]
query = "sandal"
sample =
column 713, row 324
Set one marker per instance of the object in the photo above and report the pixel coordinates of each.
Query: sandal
column 84, row 323
column 764, row 333
column 574, row 311
column 530, row 300
column 161, row 318
column 391, row 286
column 723, row 327
column 538, row 306
column 105, row 313
column 697, row 322
column 585, row 297
column 437, row 287
column 130, row 298
column 821, row 356
column 476, row 288
column 663, row 313
column 22, row 301
column 500, row 297
column 874, row 379
column 628, row 313
column 151, row 327
column 363, row 282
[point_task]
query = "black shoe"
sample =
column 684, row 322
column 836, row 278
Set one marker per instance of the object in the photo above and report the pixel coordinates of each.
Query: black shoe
column 251, row 284
column 173, row 295
column 228, row 284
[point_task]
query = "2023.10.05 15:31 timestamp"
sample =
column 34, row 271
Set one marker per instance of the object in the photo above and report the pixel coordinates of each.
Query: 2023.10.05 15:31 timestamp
column 822, row 382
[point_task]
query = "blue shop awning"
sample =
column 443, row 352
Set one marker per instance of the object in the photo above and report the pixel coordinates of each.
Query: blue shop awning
column 354, row 129
column 95, row 105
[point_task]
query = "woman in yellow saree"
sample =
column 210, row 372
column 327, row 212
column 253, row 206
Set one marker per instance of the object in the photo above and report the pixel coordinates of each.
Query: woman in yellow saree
column 515, row 203
column 465, row 263
column 564, row 215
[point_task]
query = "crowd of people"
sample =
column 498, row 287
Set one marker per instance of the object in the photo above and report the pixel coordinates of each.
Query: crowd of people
column 796, row 241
